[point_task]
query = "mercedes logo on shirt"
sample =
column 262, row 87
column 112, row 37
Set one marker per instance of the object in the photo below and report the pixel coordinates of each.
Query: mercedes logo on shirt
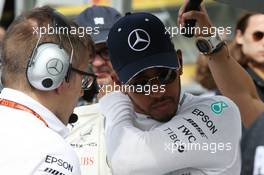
column 55, row 66
column 138, row 40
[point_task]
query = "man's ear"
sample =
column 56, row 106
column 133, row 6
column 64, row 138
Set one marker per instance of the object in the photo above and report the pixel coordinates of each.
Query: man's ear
column 179, row 57
column 239, row 37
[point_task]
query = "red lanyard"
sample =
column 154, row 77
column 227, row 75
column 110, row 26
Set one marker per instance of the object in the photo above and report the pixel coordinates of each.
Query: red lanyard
column 15, row 105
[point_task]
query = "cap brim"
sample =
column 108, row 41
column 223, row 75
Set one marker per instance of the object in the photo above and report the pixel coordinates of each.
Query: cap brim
column 100, row 37
column 167, row 60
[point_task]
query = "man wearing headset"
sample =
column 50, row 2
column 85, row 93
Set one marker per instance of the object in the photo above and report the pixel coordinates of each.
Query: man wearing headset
column 43, row 76
column 163, row 132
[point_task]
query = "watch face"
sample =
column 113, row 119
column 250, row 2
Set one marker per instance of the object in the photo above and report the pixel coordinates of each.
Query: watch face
column 203, row 46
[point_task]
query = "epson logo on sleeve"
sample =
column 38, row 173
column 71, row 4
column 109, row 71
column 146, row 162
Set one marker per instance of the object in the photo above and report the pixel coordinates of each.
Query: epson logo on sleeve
column 51, row 160
column 206, row 119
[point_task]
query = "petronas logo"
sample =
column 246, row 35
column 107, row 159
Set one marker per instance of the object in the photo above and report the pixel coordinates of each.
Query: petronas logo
column 218, row 107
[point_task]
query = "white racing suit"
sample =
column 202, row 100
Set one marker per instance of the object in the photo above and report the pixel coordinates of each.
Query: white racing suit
column 201, row 139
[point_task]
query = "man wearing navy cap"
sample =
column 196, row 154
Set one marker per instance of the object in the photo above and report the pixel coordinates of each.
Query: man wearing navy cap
column 163, row 132
column 100, row 19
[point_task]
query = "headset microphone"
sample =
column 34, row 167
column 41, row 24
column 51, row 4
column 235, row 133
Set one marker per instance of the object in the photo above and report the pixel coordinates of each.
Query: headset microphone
column 73, row 118
column 190, row 23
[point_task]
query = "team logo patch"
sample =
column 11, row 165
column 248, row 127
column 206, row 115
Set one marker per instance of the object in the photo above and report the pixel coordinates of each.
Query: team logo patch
column 55, row 67
column 99, row 20
column 138, row 40
column 218, row 107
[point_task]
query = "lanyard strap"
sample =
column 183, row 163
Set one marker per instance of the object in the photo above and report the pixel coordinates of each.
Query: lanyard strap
column 21, row 107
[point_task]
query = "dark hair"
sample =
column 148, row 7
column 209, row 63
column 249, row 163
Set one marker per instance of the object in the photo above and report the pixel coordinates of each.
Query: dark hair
column 20, row 40
column 235, row 48
column 243, row 22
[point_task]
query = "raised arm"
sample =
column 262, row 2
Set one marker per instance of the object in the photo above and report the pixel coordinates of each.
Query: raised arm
column 231, row 79
column 234, row 82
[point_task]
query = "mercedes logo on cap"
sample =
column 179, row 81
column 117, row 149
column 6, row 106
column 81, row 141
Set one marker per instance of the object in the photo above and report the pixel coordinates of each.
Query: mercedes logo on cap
column 138, row 40
column 55, row 66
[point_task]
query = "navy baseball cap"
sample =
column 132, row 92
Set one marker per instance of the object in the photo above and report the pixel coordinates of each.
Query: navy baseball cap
column 139, row 41
column 102, row 17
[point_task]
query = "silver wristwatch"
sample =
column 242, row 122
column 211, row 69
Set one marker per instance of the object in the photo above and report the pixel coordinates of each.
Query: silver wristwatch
column 209, row 45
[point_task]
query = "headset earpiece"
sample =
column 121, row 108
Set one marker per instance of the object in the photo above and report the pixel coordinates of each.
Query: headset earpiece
column 48, row 68
column 49, row 64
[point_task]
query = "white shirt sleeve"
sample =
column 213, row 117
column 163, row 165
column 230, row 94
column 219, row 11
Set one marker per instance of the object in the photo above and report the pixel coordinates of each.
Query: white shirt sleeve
column 192, row 138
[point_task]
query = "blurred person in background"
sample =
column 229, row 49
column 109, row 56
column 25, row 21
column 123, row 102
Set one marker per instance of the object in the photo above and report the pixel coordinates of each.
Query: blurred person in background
column 99, row 19
column 204, row 76
column 87, row 134
column 248, row 47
